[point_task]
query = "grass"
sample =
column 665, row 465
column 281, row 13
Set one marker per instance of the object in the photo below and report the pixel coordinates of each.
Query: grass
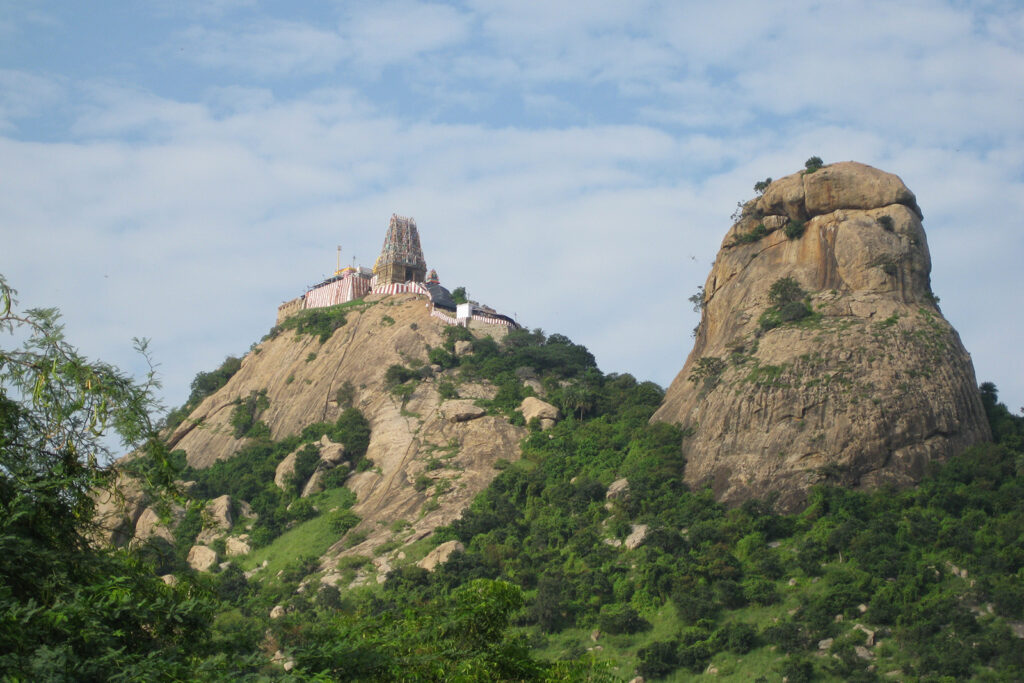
column 312, row 537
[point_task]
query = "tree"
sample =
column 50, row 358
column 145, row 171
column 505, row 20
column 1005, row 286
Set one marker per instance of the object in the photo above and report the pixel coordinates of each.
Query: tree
column 69, row 610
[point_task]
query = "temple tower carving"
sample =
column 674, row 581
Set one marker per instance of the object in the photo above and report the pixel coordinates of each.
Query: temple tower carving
column 401, row 258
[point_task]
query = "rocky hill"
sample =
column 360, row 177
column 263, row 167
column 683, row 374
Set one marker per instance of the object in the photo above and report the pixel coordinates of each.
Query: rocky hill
column 429, row 452
column 821, row 354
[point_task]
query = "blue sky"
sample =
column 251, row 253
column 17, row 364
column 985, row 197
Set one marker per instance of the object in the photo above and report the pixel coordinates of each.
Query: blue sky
column 175, row 169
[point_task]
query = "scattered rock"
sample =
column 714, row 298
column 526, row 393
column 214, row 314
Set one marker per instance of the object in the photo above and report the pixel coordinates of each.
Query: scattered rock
column 792, row 582
column 237, row 545
column 219, row 511
column 440, row 555
column 285, row 470
column 201, row 558
column 636, row 536
column 863, row 652
column 277, row 612
column 619, row 490
column 862, row 608
column 330, row 451
column 594, row 635
column 533, row 407
column 149, row 526
column 870, row 639
column 825, row 644
column 169, row 579
column 461, row 410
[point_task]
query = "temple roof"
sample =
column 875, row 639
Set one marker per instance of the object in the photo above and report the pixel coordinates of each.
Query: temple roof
column 401, row 245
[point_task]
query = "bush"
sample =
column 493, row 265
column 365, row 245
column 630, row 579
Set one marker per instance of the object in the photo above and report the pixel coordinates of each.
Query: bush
column 759, row 231
column 794, row 229
column 617, row 619
column 885, row 222
column 762, row 185
column 813, row 164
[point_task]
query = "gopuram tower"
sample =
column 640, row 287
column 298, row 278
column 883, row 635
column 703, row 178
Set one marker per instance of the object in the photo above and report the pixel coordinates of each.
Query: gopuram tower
column 401, row 258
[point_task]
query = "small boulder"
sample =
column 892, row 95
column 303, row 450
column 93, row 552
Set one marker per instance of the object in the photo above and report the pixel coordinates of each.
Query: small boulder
column 277, row 612
column 825, row 644
column 636, row 536
column 331, row 452
column 440, row 555
column 149, row 526
column 219, row 510
column 461, row 411
column 533, row 407
column 870, row 635
column 619, row 490
column 170, row 579
column 201, row 558
column 285, row 470
column 237, row 545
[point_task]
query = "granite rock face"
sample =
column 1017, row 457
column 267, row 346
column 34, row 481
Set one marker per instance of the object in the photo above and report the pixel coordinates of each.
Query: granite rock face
column 452, row 443
column 862, row 386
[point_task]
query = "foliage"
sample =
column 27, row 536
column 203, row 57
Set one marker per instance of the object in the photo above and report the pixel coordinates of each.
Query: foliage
column 459, row 295
column 794, row 229
column 316, row 322
column 698, row 299
column 755, row 234
column 707, row 371
column 787, row 297
column 69, row 610
column 204, row 384
column 762, row 185
column 245, row 415
column 813, row 164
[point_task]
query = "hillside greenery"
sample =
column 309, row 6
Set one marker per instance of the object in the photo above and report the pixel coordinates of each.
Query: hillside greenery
column 558, row 581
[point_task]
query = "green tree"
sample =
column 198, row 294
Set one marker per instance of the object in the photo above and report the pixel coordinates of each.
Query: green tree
column 69, row 610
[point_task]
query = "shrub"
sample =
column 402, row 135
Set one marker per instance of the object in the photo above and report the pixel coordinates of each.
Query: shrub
column 813, row 164
column 784, row 290
column 794, row 229
column 885, row 222
column 245, row 415
column 398, row 374
column 759, row 231
column 762, row 185
column 617, row 619
column 707, row 370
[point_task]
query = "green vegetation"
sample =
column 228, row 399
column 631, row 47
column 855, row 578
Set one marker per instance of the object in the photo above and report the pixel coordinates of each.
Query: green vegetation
column 745, row 590
column 762, row 185
column 317, row 322
column 789, row 304
column 794, row 229
column 459, row 295
column 813, row 164
column 204, row 384
column 758, row 231
column 249, row 474
column 886, row 223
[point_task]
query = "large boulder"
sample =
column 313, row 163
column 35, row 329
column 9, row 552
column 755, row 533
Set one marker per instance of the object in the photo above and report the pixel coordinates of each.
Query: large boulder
column 285, row 470
column 440, row 555
column 201, row 558
column 461, row 411
column 533, row 407
column 821, row 355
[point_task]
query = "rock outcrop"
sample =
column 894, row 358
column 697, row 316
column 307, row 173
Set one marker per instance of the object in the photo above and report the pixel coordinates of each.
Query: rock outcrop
column 302, row 378
column 821, row 354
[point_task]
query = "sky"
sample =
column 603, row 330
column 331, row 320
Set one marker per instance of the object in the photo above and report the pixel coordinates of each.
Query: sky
column 175, row 169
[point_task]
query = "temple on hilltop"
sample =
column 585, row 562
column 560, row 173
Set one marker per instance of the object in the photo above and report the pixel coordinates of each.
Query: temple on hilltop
column 401, row 257
column 400, row 269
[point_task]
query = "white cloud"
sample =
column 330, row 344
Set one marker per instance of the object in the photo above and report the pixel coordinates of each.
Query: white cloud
column 263, row 48
column 188, row 218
